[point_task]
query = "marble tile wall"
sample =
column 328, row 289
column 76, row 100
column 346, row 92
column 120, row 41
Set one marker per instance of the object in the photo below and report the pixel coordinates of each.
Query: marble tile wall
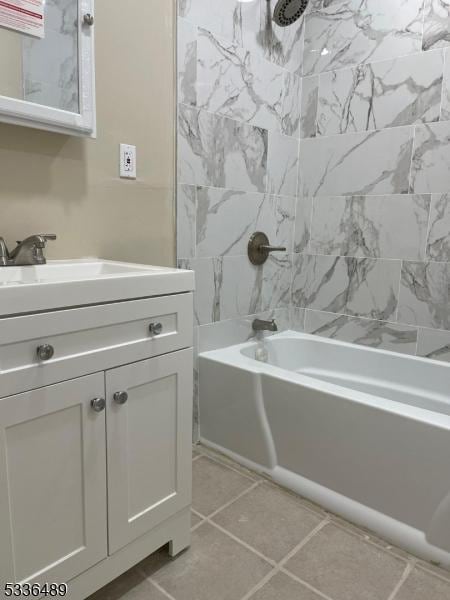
column 333, row 136
column 371, row 241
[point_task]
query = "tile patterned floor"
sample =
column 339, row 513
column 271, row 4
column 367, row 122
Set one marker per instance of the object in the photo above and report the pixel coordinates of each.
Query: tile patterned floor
column 252, row 540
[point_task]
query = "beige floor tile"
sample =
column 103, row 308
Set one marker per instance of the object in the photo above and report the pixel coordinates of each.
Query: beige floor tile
column 424, row 586
column 227, row 461
column 194, row 520
column 214, row 484
column 345, row 567
column 214, row 568
column 269, row 519
column 368, row 535
column 445, row 573
column 130, row 586
column 282, row 587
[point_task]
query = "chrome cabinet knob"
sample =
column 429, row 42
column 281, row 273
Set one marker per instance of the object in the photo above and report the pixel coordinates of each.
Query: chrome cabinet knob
column 120, row 397
column 98, row 404
column 155, row 328
column 45, row 352
column 88, row 19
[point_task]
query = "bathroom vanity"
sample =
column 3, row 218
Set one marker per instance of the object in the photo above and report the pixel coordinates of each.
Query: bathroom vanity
column 95, row 419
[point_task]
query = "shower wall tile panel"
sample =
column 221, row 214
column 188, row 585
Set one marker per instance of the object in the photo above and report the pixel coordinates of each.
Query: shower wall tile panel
column 333, row 137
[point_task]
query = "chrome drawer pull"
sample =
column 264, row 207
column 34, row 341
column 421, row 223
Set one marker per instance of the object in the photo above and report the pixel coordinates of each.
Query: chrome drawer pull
column 120, row 397
column 98, row 404
column 45, row 352
column 155, row 328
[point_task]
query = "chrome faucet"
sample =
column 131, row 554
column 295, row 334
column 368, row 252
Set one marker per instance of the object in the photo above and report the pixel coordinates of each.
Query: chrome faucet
column 260, row 325
column 28, row 252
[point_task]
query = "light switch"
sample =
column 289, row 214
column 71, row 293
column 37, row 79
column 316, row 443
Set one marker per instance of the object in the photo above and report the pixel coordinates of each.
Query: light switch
column 128, row 161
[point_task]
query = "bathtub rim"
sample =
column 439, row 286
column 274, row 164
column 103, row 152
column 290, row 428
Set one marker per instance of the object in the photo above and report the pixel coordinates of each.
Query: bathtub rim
column 232, row 356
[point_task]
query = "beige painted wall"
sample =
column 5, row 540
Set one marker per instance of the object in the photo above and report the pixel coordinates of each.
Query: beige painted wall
column 70, row 186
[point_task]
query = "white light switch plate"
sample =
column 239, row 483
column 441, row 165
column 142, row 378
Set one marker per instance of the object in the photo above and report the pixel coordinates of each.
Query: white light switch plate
column 128, row 161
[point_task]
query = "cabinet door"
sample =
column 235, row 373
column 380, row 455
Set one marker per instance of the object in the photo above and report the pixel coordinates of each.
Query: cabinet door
column 149, row 440
column 52, row 482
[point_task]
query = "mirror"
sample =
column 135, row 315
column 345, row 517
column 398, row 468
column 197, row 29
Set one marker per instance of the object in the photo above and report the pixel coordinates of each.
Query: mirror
column 47, row 64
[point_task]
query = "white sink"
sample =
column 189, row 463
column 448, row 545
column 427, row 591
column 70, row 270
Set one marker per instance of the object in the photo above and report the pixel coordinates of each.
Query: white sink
column 60, row 284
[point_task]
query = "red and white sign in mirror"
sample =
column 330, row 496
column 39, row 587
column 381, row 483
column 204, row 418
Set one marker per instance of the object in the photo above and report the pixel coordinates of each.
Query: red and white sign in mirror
column 26, row 16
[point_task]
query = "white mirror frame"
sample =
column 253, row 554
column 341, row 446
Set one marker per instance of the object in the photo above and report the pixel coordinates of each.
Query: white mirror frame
column 29, row 114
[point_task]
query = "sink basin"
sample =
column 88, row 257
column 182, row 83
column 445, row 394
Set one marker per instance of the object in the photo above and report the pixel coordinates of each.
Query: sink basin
column 60, row 284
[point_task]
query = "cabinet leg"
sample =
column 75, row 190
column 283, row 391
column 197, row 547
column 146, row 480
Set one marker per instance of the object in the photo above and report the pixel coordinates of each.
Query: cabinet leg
column 182, row 539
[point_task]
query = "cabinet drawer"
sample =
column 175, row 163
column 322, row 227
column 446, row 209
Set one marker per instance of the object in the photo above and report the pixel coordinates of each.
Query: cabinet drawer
column 90, row 339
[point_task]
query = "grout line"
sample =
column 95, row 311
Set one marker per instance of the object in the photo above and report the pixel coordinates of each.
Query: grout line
column 399, row 287
column 360, row 258
column 304, row 583
column 231, row 467
column 230, row 502
column 304, row 541
column 261, row 583
column 444, row 84
column 368, row 537
column 406, row 573
column 160, row 588
column 318, row 138
column 242, row 543
column 198, row 524
column 411, row 162
column 428, row 568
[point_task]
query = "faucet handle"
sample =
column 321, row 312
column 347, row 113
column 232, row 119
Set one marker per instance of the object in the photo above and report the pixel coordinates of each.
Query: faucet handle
column 4, row 254
column 44, row 238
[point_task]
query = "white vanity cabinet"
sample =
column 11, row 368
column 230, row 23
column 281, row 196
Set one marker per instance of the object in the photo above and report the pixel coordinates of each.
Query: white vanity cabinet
column 52, row 482
column 95, row 441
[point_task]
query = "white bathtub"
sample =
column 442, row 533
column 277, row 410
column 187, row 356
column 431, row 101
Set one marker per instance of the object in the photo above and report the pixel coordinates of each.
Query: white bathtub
column 363, row 432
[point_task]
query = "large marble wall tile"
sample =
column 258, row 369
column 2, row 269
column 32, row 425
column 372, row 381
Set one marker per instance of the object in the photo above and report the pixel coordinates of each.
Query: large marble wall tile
column 230, row 287
column 238, row 331
column 208, row 287
column 375, row 226
column 355, row 31
column 241, row 292
column 225, row 220
column 424, row 294
column 436, row 32
column 186, row 216
column 283, row 45
column 356, row 287
column 297, row 318
column 291, row 109
column 366, row 332
column 240, row 84
column 282, row 165
column 430, row 171
column 235, row 21
column 276, row 282
column 302, row 224
column 357, row 163
column 219, row 152
column 309, row 106
column 434, row 344
column 277, row 219
column 438, row 244
column 397, row 92
column 445, row 104
column 187, row 62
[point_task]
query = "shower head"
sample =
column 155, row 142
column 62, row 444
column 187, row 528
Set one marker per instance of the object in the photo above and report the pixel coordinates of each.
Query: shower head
column 288, row 11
